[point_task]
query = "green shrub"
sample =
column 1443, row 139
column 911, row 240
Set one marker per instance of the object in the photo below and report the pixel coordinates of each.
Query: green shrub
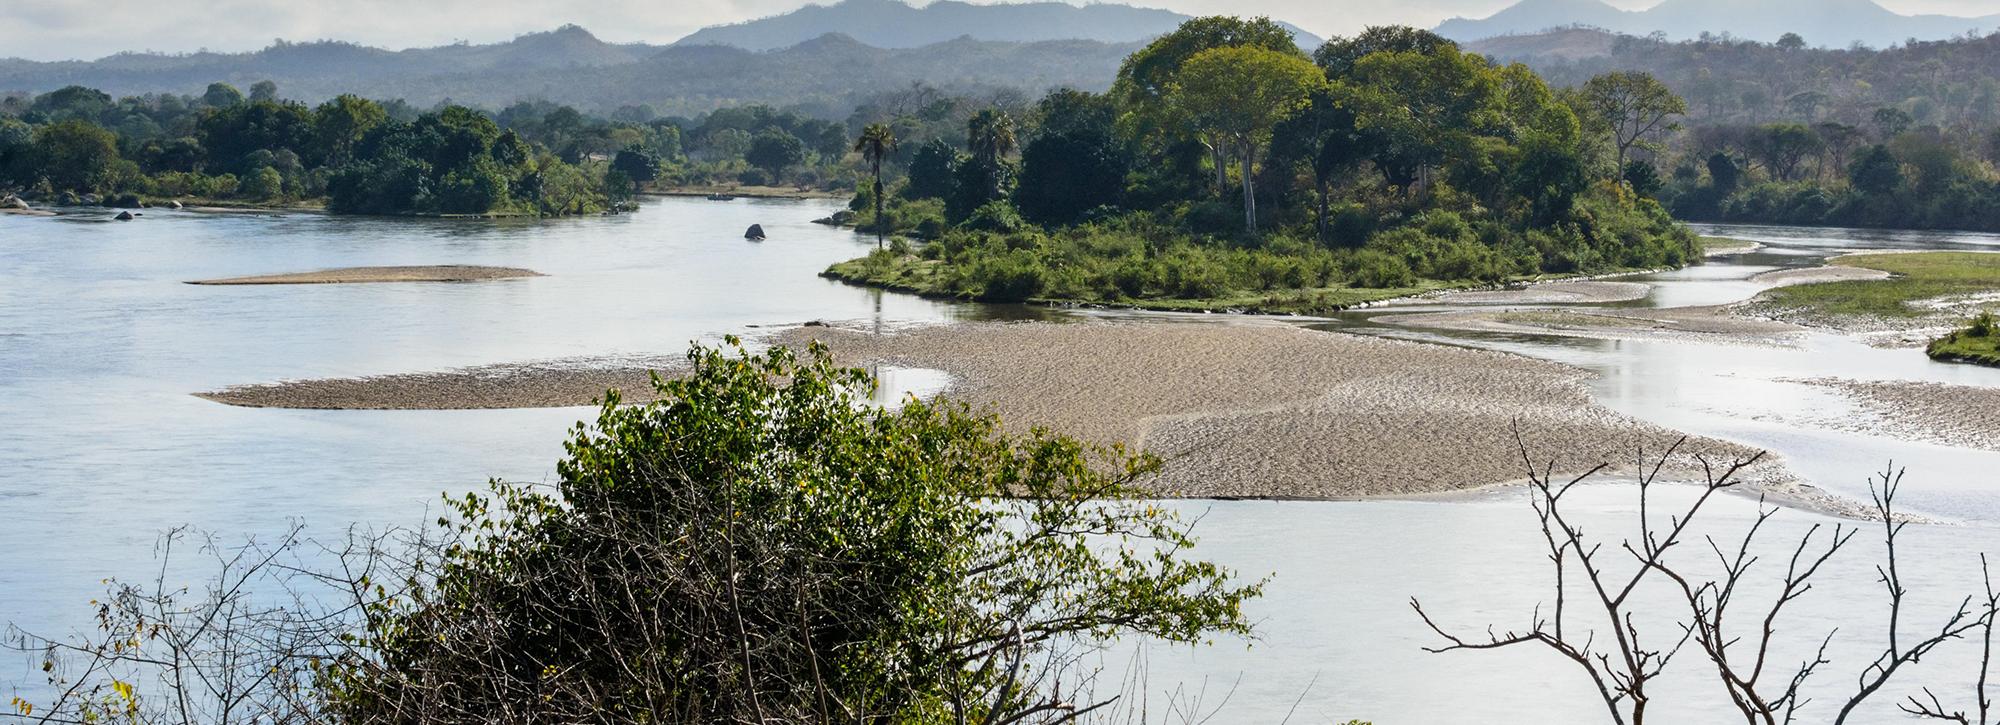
column 1376, row 269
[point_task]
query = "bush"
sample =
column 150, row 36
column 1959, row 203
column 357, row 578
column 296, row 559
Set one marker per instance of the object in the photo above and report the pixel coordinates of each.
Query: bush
column 995, row 216
column 753, row 177
column 1375, row 269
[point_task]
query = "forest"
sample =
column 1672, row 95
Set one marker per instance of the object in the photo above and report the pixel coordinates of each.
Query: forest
column 1904, row 137
column 1227, row 168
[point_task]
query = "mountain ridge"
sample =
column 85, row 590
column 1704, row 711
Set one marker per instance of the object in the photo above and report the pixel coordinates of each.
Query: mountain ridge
column 895, row 24
column 1825, row 23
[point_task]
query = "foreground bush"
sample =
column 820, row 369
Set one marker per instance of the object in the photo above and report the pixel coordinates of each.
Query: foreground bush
column 759, row 545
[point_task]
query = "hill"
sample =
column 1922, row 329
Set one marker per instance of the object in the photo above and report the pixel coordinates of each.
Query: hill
column 825, row 74
column 896, row 24
column 1824, row 23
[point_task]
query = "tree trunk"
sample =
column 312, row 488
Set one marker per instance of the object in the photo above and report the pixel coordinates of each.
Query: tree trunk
column 1319, row 185
column 1221, row 161
column 878, row 205
column 1249, row 191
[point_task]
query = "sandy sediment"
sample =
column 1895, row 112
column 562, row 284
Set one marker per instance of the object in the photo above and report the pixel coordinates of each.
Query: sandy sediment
column 1267, row 410
column 1817, row 275
column 1723, row 247
column 1683, row 324
column 356, row 275
column 1964, row 416
column 1565, row 292
column 544, row 385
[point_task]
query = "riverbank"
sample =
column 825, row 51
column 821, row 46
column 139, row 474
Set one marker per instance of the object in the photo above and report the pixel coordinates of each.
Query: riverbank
column 1238, row 409
column 1902, row 299
column 363, row 275
column 747, row 192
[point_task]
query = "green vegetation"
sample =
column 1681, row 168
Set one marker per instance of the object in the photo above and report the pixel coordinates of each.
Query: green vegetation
column 1228, row 170
column 1917, row 277
column 760, row 544
column 1978, row 343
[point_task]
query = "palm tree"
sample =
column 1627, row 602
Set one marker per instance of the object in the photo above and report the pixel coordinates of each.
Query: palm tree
column 990, row 133
column 875, row 144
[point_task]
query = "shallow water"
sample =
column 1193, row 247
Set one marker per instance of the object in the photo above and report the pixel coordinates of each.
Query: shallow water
column 103, row 447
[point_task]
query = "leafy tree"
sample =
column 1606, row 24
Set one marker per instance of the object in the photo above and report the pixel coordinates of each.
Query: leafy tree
column 221, row 95
column 775, row 150
column 1891, row 122
column 1146, row 78
column 932, row 170
column 874, row 145
column 264, row 90
column 1338, row 56
column 75, row 155
column 263, row 183
column 1075, row 164
column 637, row 164
column 1723, row 173
column 1239, row 94
column 754, row 545
column 1635, row 106
column 1876, row 171
column 1784, row 146
column 1791, row 42
column 1326, row 135
column 231, row 133
column 341, row 123
column 72, row 102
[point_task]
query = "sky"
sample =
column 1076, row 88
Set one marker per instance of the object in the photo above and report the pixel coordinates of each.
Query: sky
column 88, row 29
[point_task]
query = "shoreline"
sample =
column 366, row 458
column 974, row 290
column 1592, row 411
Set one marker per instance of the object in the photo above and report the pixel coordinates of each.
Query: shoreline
column 437, row 273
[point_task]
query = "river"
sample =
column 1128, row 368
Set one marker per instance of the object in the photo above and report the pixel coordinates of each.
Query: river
column 104, row 447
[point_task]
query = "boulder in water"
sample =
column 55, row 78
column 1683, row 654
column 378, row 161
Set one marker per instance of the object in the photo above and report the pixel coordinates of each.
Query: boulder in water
column 12, row 202
column 124, row 216
column 755, row 233
column 173, row 205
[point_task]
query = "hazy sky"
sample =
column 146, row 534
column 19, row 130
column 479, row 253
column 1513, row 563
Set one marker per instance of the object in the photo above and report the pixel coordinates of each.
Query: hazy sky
column 70, row 29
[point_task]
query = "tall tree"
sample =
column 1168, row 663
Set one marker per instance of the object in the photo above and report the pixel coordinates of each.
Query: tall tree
column 1239, row 95
column 1636, row 106
column 1326, row 136
column 1146, row 78
column 875, row 144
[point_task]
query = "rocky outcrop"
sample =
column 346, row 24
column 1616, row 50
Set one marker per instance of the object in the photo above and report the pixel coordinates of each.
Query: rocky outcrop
column 755, row 233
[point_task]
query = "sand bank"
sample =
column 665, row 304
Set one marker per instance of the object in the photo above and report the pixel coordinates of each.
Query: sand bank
column 357, row 275
column 1268, row 410
column 1681, row 324
column 1954, row 415
column 1564, row 292
column 552, row 384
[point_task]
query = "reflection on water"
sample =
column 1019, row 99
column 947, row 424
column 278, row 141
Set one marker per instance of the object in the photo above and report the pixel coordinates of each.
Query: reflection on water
column 100, row 345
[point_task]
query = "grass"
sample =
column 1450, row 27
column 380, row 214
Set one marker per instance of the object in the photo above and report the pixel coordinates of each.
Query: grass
column 1725, row 245
column 1916, row 277
column 1977, row 343
column 925, row 277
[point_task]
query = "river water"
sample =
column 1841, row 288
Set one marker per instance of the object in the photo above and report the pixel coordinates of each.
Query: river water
column 102, row 447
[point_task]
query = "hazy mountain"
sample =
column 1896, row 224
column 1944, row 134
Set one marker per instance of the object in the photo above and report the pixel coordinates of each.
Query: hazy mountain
column 895, row 24
column 1827, row 23
column 826, row 74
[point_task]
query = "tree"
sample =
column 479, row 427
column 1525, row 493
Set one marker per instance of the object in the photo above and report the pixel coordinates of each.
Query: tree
column 1636, row 106
column 74, row 155
column 1325, row 135
column 1723, row 174
column 262, row 183
column 1338, row 56
column 639, row 166
column 1239, row 95
column 1876, row 171
column 1891, row 122
column 1147, row 77
column 875, row 144
column 1075, row 164
column 340, row 124
column 1783, row 146
column 221, row 95
column 932, row 170
column 775, row 150
column 1791, row 42
column 755, row 547
column 264, row 90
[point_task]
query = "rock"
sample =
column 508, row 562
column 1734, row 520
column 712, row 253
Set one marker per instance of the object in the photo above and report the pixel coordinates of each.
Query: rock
column 124, row 216
column 12, row 202
column 173, row 205
column 91, row 200
column 68, row 198
column 839, row 219
column 816, row 323
column 755, row 233
column 124, row 201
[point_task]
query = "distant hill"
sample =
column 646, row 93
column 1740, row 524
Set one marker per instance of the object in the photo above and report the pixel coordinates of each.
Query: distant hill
column 1823, row 23
column 824, row 75
column 895, row 24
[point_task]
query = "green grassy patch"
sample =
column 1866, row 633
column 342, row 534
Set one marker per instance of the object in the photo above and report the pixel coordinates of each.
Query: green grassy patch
column 1977, row 343
column 1916, row 277
column 1725, row 245
column 934, row 278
